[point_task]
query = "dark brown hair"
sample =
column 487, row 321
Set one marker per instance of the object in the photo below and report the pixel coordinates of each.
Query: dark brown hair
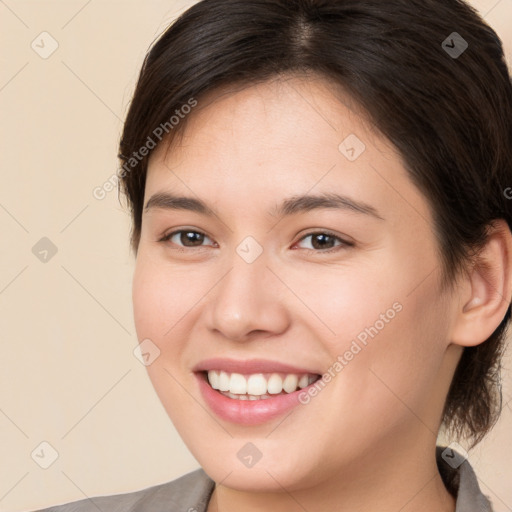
column 446, row 107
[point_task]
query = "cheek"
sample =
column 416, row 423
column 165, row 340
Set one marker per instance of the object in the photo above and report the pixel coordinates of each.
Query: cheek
column 161, row 296
column 163, row 300
column 396, row 370
column 340, row 302
column 387, row 342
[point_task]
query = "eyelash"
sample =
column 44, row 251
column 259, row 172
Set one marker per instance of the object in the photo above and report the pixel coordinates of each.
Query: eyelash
column 343, row 243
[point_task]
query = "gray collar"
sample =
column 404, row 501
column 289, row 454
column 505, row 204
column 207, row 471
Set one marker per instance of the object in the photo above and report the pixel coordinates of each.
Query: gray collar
column 461, row 481
column 192, row 491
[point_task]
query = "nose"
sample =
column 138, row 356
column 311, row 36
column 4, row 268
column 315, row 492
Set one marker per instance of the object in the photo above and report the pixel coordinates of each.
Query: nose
column 248, row 302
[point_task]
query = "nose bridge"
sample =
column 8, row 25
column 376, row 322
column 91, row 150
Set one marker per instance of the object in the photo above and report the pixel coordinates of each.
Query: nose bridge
column 245, row 298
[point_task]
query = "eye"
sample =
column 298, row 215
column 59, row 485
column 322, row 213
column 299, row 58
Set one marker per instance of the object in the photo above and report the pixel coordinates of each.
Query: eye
column 186, row 237
column 322, row 241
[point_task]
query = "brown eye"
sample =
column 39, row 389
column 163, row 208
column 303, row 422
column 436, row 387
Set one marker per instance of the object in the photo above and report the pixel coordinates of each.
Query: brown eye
column 185, row 238
column 324, row 242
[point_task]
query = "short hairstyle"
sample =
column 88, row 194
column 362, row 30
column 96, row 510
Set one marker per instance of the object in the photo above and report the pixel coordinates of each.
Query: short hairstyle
column 448, row 113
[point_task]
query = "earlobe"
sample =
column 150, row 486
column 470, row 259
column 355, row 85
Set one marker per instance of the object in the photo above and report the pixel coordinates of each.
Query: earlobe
column 487, row 289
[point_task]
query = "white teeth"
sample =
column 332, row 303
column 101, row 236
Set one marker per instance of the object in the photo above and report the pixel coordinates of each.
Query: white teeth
column 246, row 397
column 290, row 383
column 275, row 384
column 213, row 377
column 303, row 381
column 238, row 384
column 223, row 380
column 258, row 385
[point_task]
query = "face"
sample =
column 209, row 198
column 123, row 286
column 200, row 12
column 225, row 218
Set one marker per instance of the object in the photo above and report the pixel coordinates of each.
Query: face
column 262, row 283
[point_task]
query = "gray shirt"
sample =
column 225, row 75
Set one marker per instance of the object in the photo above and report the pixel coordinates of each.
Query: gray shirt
column 192, row 492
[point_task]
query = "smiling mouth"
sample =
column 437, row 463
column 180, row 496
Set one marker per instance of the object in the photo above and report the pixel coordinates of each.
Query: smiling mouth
column 257, row 386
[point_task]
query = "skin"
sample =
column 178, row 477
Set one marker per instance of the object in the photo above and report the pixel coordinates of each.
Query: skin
column 374, row 426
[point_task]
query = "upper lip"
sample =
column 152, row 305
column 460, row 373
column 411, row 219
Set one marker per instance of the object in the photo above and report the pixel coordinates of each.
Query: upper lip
column 249, row 366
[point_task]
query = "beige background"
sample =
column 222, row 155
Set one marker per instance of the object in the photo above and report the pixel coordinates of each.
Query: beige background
column 68, row 375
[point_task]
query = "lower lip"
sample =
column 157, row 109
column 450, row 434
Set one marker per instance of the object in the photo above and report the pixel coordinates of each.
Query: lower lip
column 247, row 412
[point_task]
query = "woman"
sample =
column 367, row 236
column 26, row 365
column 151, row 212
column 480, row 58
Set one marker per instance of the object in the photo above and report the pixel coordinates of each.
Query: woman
column 321, row 226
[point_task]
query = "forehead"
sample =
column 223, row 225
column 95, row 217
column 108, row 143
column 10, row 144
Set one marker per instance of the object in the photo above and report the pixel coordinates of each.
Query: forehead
column 255, row 145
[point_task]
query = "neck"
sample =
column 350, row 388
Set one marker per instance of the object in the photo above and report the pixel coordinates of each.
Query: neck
column 385, row 480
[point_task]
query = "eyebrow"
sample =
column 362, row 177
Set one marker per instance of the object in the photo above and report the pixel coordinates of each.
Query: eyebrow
column 290, row 206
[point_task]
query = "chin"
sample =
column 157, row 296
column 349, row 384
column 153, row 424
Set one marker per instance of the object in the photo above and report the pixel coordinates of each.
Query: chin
column 270, row 474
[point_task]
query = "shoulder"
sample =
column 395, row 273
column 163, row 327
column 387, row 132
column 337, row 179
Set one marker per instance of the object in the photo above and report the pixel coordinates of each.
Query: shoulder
column 188, row 493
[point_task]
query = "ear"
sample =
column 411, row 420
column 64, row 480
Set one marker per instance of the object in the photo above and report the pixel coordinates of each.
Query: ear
column 486, row 292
